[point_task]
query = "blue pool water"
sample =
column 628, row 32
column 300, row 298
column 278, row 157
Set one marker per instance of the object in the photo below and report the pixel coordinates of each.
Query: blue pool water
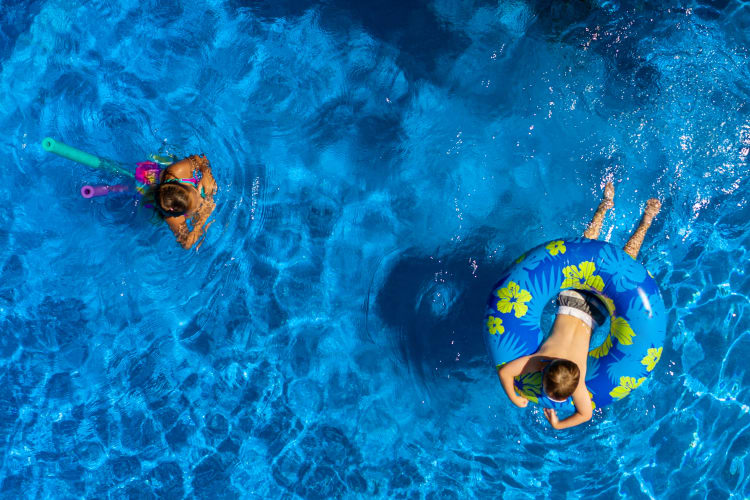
column 378, row 166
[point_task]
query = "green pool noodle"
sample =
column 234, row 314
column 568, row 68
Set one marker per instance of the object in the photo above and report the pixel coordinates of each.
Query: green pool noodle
column 87, row 159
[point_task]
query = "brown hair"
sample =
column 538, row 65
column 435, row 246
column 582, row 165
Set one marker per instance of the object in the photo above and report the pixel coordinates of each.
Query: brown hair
column 560, row 379
column 172, row 197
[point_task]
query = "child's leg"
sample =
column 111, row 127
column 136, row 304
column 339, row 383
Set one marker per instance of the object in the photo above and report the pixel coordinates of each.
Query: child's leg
column 633, row 246
column 595, row 226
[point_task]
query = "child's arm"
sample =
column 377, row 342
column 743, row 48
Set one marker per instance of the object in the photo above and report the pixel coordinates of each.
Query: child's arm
column 507, row 373
column 583, row 413
column 209, row 183
column 207, row 177
column 205, row 211
column 185, row 237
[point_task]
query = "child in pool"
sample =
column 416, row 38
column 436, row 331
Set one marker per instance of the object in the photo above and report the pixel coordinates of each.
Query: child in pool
column 562, row 357
column 186, row 189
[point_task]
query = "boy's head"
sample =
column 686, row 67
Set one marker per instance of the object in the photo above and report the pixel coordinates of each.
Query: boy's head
column 173, row 198
column 560, row 379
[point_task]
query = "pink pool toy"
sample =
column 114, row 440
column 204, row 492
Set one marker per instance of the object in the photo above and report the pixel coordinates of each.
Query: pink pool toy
column 103, row 190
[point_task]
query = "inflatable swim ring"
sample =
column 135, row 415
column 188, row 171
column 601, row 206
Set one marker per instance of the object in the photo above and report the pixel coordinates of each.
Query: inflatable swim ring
column 637, row 317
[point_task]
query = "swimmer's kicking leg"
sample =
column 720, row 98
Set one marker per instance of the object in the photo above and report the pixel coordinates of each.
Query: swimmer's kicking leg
column 595, row 226
column 633, row 246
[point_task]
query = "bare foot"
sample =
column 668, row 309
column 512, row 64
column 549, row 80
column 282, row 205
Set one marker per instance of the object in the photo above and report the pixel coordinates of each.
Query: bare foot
column 595, row 226
column 652, row 208
column 609, row 196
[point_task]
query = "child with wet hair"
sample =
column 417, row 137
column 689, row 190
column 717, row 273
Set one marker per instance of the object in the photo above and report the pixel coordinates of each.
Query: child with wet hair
column 562, row 357
column 560, row 378
column 185, row 190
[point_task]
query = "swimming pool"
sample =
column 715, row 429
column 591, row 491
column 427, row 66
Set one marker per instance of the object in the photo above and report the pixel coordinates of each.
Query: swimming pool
column 378, row 168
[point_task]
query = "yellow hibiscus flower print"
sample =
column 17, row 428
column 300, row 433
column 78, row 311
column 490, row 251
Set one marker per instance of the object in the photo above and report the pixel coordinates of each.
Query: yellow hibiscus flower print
column 593, row 405
column 652, row 357
column 512, row 298
column 582, row 277
column 555, row 247
column 495, row 325
column 520, row 259
column 627, row 384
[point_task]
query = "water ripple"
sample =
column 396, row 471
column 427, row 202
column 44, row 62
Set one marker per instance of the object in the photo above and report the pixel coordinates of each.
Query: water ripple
column 376, row 173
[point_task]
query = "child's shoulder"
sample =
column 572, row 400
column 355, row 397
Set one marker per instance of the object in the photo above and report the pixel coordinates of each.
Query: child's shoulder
column 536, row 362
column 526, row 364
column 179, row 168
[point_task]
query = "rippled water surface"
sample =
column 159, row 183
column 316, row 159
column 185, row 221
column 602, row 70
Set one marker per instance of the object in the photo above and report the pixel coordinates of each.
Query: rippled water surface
column 379, row 164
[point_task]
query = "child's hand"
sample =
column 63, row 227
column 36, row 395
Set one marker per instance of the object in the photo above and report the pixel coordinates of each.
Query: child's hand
column 552, row 417
column 209, row 183
column 521, row 402
column 203, row 231
column 206, row 208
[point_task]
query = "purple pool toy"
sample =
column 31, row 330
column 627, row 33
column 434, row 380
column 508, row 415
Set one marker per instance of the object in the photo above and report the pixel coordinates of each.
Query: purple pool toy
column 103, row 190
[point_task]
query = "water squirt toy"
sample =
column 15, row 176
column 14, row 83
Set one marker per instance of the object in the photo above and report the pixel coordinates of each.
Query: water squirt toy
column 165, row 159
column 76, row 155
column 89, row 191
column 634, row 344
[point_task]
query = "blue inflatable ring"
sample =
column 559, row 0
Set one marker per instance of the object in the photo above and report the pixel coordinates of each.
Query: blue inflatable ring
column 638, row 321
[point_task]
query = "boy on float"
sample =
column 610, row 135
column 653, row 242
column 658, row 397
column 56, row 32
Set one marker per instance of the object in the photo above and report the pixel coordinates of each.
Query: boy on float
column 562, row 357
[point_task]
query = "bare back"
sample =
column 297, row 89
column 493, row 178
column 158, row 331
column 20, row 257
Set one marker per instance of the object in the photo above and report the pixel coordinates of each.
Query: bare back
column 569, row 339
